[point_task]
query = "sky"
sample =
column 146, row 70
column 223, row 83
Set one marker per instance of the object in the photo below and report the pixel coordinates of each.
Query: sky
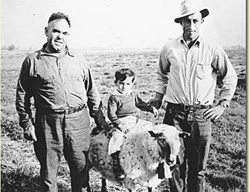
column 115, row 24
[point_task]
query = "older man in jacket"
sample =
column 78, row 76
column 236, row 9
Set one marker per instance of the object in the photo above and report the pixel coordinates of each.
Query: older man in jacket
column 60, row 82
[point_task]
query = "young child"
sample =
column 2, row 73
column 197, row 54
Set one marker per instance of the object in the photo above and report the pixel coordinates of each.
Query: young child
column 123, row 108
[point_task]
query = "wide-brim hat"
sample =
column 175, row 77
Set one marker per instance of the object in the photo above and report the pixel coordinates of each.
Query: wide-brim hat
column 189, row 7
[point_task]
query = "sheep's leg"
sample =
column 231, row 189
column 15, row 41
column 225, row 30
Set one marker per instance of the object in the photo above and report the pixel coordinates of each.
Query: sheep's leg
column 150, row 189
column 104, row 185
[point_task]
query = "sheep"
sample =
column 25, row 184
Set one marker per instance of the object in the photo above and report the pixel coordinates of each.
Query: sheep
column 142, row 153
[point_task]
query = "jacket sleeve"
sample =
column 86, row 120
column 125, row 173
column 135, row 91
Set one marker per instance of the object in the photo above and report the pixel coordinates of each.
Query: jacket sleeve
column 162, row 72
column 142, row 105
column 227, row 77
column 24, row 95
column 93, row 96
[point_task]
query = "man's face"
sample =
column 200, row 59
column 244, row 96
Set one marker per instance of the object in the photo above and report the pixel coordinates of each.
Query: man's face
column 57, row 34
column 191, row 26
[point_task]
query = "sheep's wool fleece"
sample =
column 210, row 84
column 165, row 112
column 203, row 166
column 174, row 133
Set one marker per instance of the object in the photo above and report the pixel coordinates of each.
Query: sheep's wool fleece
column 98, row 152
column 98, row 155
column 139, row 156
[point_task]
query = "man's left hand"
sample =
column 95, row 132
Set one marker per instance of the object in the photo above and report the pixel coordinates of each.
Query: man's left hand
column 214, row 113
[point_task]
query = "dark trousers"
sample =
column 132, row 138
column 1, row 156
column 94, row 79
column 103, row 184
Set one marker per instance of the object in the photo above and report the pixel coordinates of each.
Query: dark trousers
column 63, row 134
column 188, row 174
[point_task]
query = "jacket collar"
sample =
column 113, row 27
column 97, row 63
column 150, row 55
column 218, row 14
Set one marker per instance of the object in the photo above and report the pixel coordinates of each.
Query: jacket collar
column 197, row 42
column 115, row 92
column 43, row 52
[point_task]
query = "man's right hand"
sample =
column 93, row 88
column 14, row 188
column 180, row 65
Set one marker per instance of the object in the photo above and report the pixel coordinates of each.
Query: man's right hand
column 156, row 101
column 100, row 121
column 29, row 133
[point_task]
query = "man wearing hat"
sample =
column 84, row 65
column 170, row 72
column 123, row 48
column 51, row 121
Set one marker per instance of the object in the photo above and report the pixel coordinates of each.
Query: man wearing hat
column 189, row 69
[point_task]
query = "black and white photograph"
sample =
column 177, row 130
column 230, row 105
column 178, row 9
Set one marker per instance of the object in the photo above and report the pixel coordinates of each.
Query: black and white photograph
column 123, row 96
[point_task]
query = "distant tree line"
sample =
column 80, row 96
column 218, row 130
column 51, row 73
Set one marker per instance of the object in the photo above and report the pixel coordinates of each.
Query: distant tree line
column 10, row 47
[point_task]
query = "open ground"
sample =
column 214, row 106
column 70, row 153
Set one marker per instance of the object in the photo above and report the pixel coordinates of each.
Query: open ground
column 226, row 169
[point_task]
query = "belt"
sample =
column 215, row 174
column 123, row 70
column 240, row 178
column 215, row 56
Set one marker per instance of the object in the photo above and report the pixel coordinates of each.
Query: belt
column 184, row 107
column 68, row 110
column 71, row 110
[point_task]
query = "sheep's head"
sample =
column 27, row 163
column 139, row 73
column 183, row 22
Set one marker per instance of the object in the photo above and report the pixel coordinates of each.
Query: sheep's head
column 168, row 138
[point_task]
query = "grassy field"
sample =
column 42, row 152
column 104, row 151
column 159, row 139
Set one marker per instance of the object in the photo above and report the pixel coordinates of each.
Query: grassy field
column 227, row 159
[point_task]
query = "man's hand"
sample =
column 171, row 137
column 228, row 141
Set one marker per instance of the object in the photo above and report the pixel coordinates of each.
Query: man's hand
column 156, row 101
column 100, row 120
column 214, row 113
column 29, row 133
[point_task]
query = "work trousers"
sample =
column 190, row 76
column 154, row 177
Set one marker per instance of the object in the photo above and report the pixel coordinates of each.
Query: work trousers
column 189, row 172
column 63, row 134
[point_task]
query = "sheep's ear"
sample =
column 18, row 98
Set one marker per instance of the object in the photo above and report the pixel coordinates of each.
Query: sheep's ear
column 153, row 134
column 184, row 134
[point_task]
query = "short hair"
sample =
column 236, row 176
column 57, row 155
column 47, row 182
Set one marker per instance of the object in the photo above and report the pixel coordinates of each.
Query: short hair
column 59, row 15
column 123, row 73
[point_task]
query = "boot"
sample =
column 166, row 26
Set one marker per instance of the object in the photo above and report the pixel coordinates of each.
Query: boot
column 116, row 166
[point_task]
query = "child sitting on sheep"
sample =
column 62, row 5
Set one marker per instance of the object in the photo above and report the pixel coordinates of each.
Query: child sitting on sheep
column 123, row 108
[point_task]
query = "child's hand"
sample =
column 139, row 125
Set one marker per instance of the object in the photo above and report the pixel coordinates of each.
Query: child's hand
column 123, row 128
column 155, row 111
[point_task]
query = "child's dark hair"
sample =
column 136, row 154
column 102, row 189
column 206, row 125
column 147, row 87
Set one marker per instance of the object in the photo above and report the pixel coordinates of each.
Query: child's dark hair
column 59, row 15
column 123, row 73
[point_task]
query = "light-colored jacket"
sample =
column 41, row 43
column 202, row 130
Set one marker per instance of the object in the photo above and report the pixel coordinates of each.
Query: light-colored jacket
column 189, row 76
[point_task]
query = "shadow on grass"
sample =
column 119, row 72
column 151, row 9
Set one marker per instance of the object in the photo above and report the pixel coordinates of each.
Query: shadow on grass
column 19, row 182
column 241, row 83
column 236, row 154
column 226, row 183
